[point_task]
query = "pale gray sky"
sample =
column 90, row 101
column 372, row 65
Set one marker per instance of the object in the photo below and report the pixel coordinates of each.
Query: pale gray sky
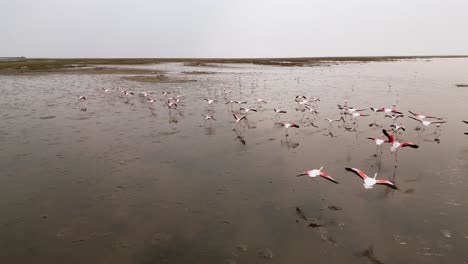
column 242, row 28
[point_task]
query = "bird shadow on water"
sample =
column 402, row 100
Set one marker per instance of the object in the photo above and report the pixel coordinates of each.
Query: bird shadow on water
column 370, row 255
column 288, row 143
column 240, row 137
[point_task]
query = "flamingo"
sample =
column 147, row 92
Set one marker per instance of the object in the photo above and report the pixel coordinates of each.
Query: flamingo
column 331, row 121
column 172, row 103
column 144, row 94
column 246, row 110
column 421, row 116
column 427, row 123
column 389, row 110
column 259, row 100
column 314, row 173
column 358, row 114
column 208, row 117
column 238, row 118
column 287, row 126
column 396, row 127
column 81, row 99
column 395, row 145
column 369, row 182
column 394, row 117
column 299, row 98
column 379, row 142
column 311, row 110
column 210, row 101
column 279, row 111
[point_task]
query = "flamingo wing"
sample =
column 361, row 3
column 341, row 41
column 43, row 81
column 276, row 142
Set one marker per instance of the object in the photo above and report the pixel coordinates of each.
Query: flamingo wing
column 415, row 118
column 328, row 177
column 385, row 182
column 412, row 113
column 438, row 122
column 409, row 144
column 388, row 135
column 279, row 124
column 358, row 172
column 433, row 117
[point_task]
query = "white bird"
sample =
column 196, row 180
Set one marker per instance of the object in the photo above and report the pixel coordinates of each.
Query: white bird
column 378, row 141
column 238, row 118
column 208, row 117
column 396, row 127
column 279, row 111
column 421, row 116
column 314, row 173
column 427, row 123
column 246, row 110
column 369, row 182
column 210, row 101
column 395, row 145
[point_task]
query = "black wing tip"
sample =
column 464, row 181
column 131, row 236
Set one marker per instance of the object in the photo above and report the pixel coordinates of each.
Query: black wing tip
column 466, row 122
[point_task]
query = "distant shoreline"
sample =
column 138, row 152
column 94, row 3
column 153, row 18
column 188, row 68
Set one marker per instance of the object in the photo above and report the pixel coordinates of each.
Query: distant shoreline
column 87, row 65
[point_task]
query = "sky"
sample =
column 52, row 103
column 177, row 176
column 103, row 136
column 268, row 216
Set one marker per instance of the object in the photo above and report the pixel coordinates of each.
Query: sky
column 232, row 29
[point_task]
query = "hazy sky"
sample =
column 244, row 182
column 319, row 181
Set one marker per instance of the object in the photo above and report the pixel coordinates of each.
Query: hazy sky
column 242, row 28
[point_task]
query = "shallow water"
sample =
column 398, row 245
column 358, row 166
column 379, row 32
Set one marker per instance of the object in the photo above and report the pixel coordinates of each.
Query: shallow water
column 121, row 183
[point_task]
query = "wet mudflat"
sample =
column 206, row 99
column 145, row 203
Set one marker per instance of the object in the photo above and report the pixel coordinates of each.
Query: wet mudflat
column 128, row 181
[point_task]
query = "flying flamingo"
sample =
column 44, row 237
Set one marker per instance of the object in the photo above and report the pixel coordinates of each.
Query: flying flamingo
column 208, row 117
column 379, row 142
column 287, row 126
column 369, row 182
column 238, row 118
column 395, row 145
column 396, row 127
column 426, row 123
column 421, row 116
column 172, row 103
column 246, row 110
column 279, row 111
column 311, row 110
column 394, row 117
column 210, row 101
column 314, row 173
column 389, row 110
column 358, row 114
column 331, row 121
column 375, row 116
